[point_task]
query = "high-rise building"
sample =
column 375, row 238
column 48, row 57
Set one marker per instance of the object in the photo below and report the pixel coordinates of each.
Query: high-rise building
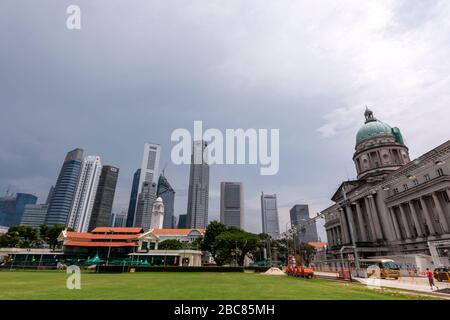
column 13, row 207
column 232, row 204
column 102, row 210
column 167, row 194
column 182, row 221
column 34, row 215
column 269, row 212
column 133, row 198
column 147, row 186
column 143, row 217
column 83, row 203
column 198, row 194
column 299, row 215
column 64, row 192
column 118, row 219
column 49, row 195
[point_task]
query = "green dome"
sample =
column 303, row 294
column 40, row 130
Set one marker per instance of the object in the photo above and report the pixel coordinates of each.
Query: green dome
column 372, row 128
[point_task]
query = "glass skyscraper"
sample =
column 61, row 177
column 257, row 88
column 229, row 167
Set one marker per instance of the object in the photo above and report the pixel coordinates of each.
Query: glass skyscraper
column 65, row 188
column 299, row 214
column 198, row 194
column 232, row 204
column 167, row 194
column 133, row 198
column 102, row 210
column 269, row 212
column 13, row 207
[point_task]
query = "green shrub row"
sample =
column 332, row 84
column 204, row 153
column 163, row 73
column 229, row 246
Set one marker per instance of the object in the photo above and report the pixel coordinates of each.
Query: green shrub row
column 118, row 269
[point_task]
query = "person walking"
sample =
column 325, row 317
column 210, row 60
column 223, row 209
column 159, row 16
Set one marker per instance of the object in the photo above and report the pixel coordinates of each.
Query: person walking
column 430, row 277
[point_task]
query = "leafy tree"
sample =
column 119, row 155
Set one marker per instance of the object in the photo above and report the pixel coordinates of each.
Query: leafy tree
column 20, row 237
column 170, row 244
column 50, row 234
column 237, row 242
column 307, row 252
column 213, row 230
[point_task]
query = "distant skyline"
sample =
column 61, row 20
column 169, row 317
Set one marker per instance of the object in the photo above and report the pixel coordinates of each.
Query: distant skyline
column 137, row 71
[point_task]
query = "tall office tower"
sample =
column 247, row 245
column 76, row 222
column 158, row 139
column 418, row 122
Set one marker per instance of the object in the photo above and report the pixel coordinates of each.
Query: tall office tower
column 147, row 178
column 269, row 212
column 144, row 208
column 34, row 215
column 118, row 219
column 299, row 214
column 198, row 194
column 103, row 203
column 133, row 198
column 232, row 204
column 13, row 207
column 64, row 191
column 182, row 221
column 167, row 194
column 83, row 203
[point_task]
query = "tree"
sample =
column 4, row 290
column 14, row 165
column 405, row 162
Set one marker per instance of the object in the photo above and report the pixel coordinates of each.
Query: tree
column 307, row 252
column 213, row 230
column 170, row 244
column 234, row 242
column 20, row 237
column 50, row 234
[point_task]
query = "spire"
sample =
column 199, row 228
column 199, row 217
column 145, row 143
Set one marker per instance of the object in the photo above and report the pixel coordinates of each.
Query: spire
column 368, row 114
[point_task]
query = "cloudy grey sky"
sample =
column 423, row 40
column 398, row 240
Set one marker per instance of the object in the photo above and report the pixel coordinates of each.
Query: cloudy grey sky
column 139, row 69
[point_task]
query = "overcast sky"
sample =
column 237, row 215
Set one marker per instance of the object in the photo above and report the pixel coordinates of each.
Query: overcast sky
column 137, row 70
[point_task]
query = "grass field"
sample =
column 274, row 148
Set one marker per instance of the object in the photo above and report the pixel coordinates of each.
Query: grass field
column 171, row 285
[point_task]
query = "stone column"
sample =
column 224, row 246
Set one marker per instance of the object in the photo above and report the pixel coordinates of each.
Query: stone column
column 369, row 216
column 376, row 219
column 427, row 216
column 441, row 213
column 351, row 223
column 405, row 222
column 416, row 219
column 398, row 234
column 362, row 230
column 345, row 233
column 387, row 227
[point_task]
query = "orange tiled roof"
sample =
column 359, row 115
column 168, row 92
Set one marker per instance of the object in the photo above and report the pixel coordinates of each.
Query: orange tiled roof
column 100, row 244
column 96, row 236
column 181, row 232
column 318, row 244
column 117, row 230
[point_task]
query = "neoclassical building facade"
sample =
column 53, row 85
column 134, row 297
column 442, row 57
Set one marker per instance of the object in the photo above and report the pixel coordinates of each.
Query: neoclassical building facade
column 395, row 206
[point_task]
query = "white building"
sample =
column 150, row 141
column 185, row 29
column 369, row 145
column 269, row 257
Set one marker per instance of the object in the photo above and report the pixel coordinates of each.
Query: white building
column 83, row 203
column 157, row 214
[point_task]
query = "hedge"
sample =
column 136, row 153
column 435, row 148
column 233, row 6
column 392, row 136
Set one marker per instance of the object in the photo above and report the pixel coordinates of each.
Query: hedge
column 119, row 269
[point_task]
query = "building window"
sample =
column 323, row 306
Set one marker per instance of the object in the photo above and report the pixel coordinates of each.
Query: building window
column 395, row 190
column 405, row 187
column 416, row 182
column 440, row 172
column 427, row 177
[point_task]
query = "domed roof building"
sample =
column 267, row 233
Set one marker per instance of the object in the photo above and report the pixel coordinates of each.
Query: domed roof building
column 379, row 149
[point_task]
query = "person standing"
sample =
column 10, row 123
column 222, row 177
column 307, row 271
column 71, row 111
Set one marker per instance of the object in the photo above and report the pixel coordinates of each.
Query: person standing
column 430, row 277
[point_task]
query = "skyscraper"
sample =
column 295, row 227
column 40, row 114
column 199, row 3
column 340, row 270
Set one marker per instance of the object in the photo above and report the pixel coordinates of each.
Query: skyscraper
column 143, row 217
column 167, row 194
column 232, row 204
column 147, row 185
column 63, row 194
column 133, row 198
column 34, row 215
column 13, row 207
column 198, row 194
column 269, row 212
column 102, row 210
column 182, row 221
column 299, row 214
column 118, row 219
column 83, row 203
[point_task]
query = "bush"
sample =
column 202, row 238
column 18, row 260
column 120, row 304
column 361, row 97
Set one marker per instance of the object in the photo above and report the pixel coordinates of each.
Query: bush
column 118, row 269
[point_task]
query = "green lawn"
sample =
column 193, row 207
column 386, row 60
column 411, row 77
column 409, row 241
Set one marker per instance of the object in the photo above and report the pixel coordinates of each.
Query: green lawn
column 182, row 285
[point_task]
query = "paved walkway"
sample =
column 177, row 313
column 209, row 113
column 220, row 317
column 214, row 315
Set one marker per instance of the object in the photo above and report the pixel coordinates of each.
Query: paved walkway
column 419, row 284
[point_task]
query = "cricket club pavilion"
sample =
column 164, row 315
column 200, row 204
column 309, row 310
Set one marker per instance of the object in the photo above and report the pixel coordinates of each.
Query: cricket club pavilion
column 115, row 244
column 395, row 206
